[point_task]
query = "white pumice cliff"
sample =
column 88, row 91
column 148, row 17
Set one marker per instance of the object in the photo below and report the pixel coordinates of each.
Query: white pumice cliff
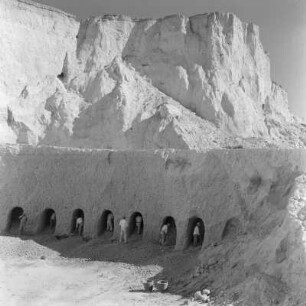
column 150, row 112
column 116, row 82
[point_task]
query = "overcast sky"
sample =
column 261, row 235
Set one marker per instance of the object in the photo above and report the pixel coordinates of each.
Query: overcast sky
column 282, row 28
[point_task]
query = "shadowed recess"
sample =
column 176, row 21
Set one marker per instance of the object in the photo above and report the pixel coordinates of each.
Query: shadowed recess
column 13, row 219
column 133, row 229
column 190, row 229
column 102, row 225
column 232, row 228
column 76, row 214
column 47, row 224
column 171, row 236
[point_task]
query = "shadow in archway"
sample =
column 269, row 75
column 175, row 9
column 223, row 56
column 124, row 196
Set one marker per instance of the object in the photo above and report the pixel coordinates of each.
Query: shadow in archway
column 106, row 225
column 232, row 228
column 136, row 226
column 47, row 222
column 192, row 230
column 14, row 221
column 78, row 213
column 171, row 235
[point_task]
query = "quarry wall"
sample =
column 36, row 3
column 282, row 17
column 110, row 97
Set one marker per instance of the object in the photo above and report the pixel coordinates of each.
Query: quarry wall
column 215, row 185
column 115, row 82
column 35, row 40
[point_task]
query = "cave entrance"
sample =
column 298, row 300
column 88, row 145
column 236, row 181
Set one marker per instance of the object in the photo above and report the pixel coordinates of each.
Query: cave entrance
column 106, row 223
column 78, row 213
column 136, row 224
column 47, row 221
column 193, row 241
column 61, row 76
column 232, row 228
column 13, row 220
column 171, row 236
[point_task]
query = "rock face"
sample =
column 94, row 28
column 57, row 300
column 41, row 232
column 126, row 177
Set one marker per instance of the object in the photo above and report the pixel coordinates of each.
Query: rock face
column 34, row 43
column 252, row 204
column 116, row 82
column 197, row 83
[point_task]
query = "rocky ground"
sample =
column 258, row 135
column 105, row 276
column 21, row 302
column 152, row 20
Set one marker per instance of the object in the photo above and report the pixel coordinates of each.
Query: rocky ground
column 32, row 274
column 45, row 271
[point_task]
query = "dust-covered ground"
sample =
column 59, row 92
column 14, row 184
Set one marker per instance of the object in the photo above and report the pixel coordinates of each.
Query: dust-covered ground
column 43, row 270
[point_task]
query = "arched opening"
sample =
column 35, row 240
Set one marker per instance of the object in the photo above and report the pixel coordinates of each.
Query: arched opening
column 47, row 221
column 106, row 223
column 171, row 235
column 136, row 224
column 193, row 239
column 13, row 220
column 78, row 213
column 232, row 228
column 61, row 76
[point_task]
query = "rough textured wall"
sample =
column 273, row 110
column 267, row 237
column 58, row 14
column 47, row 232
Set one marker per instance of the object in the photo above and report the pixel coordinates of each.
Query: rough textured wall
column 215, row 186
column 266, row 264
column 116, row 82
column 34, row 42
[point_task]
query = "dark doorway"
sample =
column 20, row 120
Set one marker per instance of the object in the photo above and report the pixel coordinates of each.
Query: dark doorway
column 232, row 228
column 136, row 224
column 190, row 232
column 47, row 221
column 103, row 227
column 171, row 236
column 13, row 220
column 76, row 214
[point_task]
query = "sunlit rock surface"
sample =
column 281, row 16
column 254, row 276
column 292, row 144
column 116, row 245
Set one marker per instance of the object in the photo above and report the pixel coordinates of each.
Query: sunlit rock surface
column 116, row 82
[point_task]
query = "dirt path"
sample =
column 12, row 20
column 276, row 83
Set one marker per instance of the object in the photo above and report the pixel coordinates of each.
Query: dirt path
column 27, row 278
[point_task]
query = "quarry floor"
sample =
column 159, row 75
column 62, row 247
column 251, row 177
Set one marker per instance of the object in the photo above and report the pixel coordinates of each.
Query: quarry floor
column 43, row 270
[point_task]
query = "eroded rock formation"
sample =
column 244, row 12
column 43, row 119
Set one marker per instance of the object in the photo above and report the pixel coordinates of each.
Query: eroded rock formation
column 117, row 82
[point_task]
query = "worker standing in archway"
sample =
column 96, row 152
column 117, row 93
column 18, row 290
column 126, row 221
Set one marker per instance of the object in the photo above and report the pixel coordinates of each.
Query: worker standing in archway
column 110, row 222
column 138, row 224
column 123, row 230
column 79, row 225
column 22, row 223
column 196, row 235
column 52, row 220
column 164, row 233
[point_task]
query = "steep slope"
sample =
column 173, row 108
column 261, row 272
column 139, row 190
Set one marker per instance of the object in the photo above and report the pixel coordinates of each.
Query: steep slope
column 34, row 41
column 262, row 260
column 117, row 82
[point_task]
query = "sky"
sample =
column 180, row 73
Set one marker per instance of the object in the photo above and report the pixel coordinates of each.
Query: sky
column 282, row 29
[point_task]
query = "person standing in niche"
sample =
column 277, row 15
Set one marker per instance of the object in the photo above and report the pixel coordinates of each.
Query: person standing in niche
column 22, row 223
column 79, row 226
column 196, row 235
column 52, row 220
column 123, row 230
column 138, row 224
column 164, row 233
column 110, row 222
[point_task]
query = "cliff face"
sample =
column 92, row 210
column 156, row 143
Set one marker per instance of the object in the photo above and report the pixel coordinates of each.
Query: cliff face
column 112, row 81
column 252, row 204
column 34, row 42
